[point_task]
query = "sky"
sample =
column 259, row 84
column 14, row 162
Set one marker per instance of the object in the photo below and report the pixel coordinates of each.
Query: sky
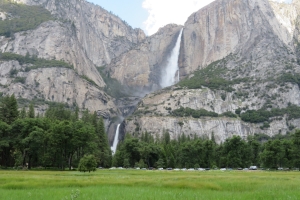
column 150, row 15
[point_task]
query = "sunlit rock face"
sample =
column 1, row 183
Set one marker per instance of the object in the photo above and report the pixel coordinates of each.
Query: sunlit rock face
column 255, row 39
column 225, row 27
column 142, row 66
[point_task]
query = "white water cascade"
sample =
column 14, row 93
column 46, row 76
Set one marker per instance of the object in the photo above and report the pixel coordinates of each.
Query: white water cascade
column 116, row 140
column 169, row 73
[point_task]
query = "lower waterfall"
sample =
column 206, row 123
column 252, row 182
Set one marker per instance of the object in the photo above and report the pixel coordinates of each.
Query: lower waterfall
column 116, row 140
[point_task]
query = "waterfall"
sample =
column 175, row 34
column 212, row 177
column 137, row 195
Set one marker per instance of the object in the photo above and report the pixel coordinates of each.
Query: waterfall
column 169, row 73
column 116, row 140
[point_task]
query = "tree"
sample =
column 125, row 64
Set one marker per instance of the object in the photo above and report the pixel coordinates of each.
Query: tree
column 296, row 149
column 9, row 109
column 23, row 113
column 5, row 143
column 235, row 149
column 104, row 152
column 31, row 113
column 87, row 163
column 272, row 154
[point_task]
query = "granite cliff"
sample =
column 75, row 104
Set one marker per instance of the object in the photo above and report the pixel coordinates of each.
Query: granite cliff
column 238, row 60
column 237, row 57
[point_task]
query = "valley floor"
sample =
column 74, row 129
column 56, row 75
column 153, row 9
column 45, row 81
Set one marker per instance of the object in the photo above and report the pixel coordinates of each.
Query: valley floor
column 138, row 184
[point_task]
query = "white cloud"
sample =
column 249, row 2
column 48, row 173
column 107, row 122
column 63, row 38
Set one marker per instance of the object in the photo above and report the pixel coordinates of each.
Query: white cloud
column 163, row 12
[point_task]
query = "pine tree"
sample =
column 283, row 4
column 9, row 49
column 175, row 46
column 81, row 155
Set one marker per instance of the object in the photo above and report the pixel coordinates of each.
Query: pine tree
column 23, row 113
column 9, row 109
column 104, row 149
column 31, row 113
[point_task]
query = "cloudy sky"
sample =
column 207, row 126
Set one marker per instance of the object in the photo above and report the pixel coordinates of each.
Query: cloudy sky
column 150, row 15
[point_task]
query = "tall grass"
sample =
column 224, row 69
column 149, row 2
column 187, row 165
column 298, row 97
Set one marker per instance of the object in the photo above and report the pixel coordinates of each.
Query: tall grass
column 130, row 184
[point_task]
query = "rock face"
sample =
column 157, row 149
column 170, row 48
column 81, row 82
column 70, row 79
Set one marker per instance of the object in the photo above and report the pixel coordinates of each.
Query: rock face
column 250, row 45
column 225, row 27
column 53, row 84
column 53, row 40
column 141, row 67
column 101, row 35
column 153, row 114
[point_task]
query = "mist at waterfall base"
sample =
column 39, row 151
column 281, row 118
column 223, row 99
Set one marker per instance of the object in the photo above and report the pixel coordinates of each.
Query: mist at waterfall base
column 169, row 73
column 116, row 140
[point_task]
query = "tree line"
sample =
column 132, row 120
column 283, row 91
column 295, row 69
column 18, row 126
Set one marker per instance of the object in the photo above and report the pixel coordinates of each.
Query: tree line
column 194, row 152
column 60, row 139
column 57, row 140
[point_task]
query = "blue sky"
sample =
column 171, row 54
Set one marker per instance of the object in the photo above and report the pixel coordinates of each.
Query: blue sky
column 150, row 15
column 130, row 11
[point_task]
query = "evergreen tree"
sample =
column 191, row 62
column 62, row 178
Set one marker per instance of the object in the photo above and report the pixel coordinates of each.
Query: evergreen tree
column 9, row 109
column 296, row 149
column 23, row 113
column 31, row 113
column 104, row 152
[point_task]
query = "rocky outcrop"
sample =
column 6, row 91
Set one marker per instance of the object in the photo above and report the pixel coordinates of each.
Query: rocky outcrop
column 54, row 84
column 141, row 67
column 226, row 27
column 53, row 40
column 249, row 45
column 101, row 35
column 153, row 113
column 222, row 128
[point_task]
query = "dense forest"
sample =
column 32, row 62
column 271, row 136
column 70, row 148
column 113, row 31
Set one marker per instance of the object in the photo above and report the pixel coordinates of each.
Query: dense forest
column 186, row 152
column 57, row 140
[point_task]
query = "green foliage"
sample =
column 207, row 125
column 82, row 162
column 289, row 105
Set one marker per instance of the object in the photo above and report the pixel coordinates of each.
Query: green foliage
column 87, row 163
column 273, row 154
column 9, row 109
column 89, row 80
column 103, row 151
column 290, row 78
column 296, row 149
column 229, row 114
column 31, row 113
column 36, row 62
column 24, row 17
column 211, row 77
column 20, row 80
column 113, row 87
column 187, row 112
column 263, row 115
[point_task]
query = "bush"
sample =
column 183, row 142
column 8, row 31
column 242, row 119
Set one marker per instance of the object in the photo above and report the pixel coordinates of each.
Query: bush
column 187, row 112
column 113, row 87
column 211, row 77
column 36, row 62
column 87, row 163
column 24, row 17
column 229, row 114
column 263, row 115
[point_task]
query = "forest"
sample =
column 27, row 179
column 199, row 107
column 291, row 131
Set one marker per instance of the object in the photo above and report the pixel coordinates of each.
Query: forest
column 279, row 151
column 59, row 139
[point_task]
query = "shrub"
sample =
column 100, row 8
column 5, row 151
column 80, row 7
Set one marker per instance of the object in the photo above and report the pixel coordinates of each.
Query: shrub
column 24, row 18
column 87, row 163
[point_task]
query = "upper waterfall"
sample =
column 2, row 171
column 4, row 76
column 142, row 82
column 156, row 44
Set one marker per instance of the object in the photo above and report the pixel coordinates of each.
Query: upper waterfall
column 169, row 73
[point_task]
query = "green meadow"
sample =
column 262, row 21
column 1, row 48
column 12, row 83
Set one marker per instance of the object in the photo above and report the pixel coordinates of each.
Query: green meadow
column 139, row 184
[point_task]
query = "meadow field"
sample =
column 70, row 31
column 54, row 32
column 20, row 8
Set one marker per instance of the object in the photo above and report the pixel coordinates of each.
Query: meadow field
column 140, row 184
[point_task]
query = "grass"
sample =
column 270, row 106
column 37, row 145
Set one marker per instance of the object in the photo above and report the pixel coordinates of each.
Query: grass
column 131, row 184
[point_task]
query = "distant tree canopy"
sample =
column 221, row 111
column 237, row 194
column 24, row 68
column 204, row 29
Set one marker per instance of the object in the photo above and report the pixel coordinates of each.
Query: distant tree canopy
column 184, row 151
column 58, row 140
